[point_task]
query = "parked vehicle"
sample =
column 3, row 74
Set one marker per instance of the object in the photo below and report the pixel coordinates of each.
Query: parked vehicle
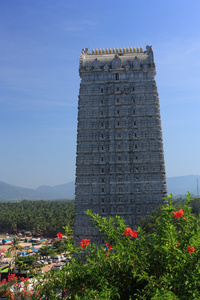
column 49, row 260
column 41, row 261
column 56, row 259
column 57, row 267
column 8, row 241
column 68, row 258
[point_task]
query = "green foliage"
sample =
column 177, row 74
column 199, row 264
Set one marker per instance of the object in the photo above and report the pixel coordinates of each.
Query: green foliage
column 25, row 262
column 46, row 250
column 196, row 207
column 149, row 224
column 161, row 264
column 15, row 246
column 195, row 204
column 60, row 246
column 154, row 265
column 41, row 217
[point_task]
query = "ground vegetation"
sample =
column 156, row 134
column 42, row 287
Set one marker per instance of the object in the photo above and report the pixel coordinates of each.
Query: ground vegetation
column 40, row 217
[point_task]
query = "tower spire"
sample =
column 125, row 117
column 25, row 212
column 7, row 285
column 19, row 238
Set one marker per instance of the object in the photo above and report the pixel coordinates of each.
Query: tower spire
column 120, row 166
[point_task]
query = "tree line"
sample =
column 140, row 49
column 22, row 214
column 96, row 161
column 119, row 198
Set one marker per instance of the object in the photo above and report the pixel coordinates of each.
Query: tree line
column 41, row 217
column 47, row 218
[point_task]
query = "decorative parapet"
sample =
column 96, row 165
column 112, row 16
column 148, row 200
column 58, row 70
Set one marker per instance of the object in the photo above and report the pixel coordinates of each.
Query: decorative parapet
column 117, row 58
column 113, row 51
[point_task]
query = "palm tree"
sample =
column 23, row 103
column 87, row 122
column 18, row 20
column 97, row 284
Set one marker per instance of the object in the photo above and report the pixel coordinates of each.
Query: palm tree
column 15, row 246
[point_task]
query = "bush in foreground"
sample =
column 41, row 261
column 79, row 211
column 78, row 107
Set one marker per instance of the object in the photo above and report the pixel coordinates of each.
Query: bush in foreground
column 164, row 264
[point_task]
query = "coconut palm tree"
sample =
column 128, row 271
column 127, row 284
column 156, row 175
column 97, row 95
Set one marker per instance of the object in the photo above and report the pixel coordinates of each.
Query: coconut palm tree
column 15, row 246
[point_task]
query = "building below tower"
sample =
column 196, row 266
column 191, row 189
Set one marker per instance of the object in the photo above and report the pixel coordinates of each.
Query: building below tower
column 120, row 167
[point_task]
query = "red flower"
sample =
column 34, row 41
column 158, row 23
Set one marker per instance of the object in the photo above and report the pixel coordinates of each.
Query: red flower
column 84, row 243
column 3, row 280
column 178, row 214
column 178, row 243
column 11, row 277
column 108, row 246
column 130, row 232
column 134, row 233
column 190, row 249
column 59, row 235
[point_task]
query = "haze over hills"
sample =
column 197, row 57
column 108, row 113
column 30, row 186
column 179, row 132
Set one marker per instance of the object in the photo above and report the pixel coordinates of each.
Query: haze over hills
column 10, row 192
column 177, row 186
column 181, row 184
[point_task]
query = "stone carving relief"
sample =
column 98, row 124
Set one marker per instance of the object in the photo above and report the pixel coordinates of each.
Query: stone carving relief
column 136, row 63
column 150, row 53
column 87, row 68
column 127, row 66
column 116, row 62
column 96, row 64
column 106, row 68
column 85, row 50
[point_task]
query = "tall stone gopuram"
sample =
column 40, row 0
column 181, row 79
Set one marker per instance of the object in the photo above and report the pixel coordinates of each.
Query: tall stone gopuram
column 120, row 167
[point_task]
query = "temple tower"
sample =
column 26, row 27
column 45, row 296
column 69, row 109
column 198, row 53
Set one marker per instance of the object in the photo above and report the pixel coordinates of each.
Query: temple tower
column 120, row 167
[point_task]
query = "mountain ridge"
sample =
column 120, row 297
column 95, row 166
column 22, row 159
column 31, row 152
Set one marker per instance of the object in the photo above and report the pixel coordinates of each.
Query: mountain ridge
column 177, row 186
column 10, row 192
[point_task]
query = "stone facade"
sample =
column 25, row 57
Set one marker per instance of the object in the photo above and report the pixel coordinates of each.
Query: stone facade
column 120, row 166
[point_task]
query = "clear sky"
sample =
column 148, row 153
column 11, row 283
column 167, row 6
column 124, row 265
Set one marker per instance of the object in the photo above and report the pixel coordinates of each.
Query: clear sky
column 39, row 58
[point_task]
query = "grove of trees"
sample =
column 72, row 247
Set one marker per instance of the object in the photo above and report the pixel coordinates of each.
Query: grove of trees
column 40, row 217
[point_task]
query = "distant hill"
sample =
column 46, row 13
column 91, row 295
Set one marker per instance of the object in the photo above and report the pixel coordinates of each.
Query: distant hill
column 10, row 192
column 177, row 186
column 181, row 184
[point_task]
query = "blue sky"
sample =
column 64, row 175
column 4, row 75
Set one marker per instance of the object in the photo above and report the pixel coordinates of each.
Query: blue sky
column 39, row 82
